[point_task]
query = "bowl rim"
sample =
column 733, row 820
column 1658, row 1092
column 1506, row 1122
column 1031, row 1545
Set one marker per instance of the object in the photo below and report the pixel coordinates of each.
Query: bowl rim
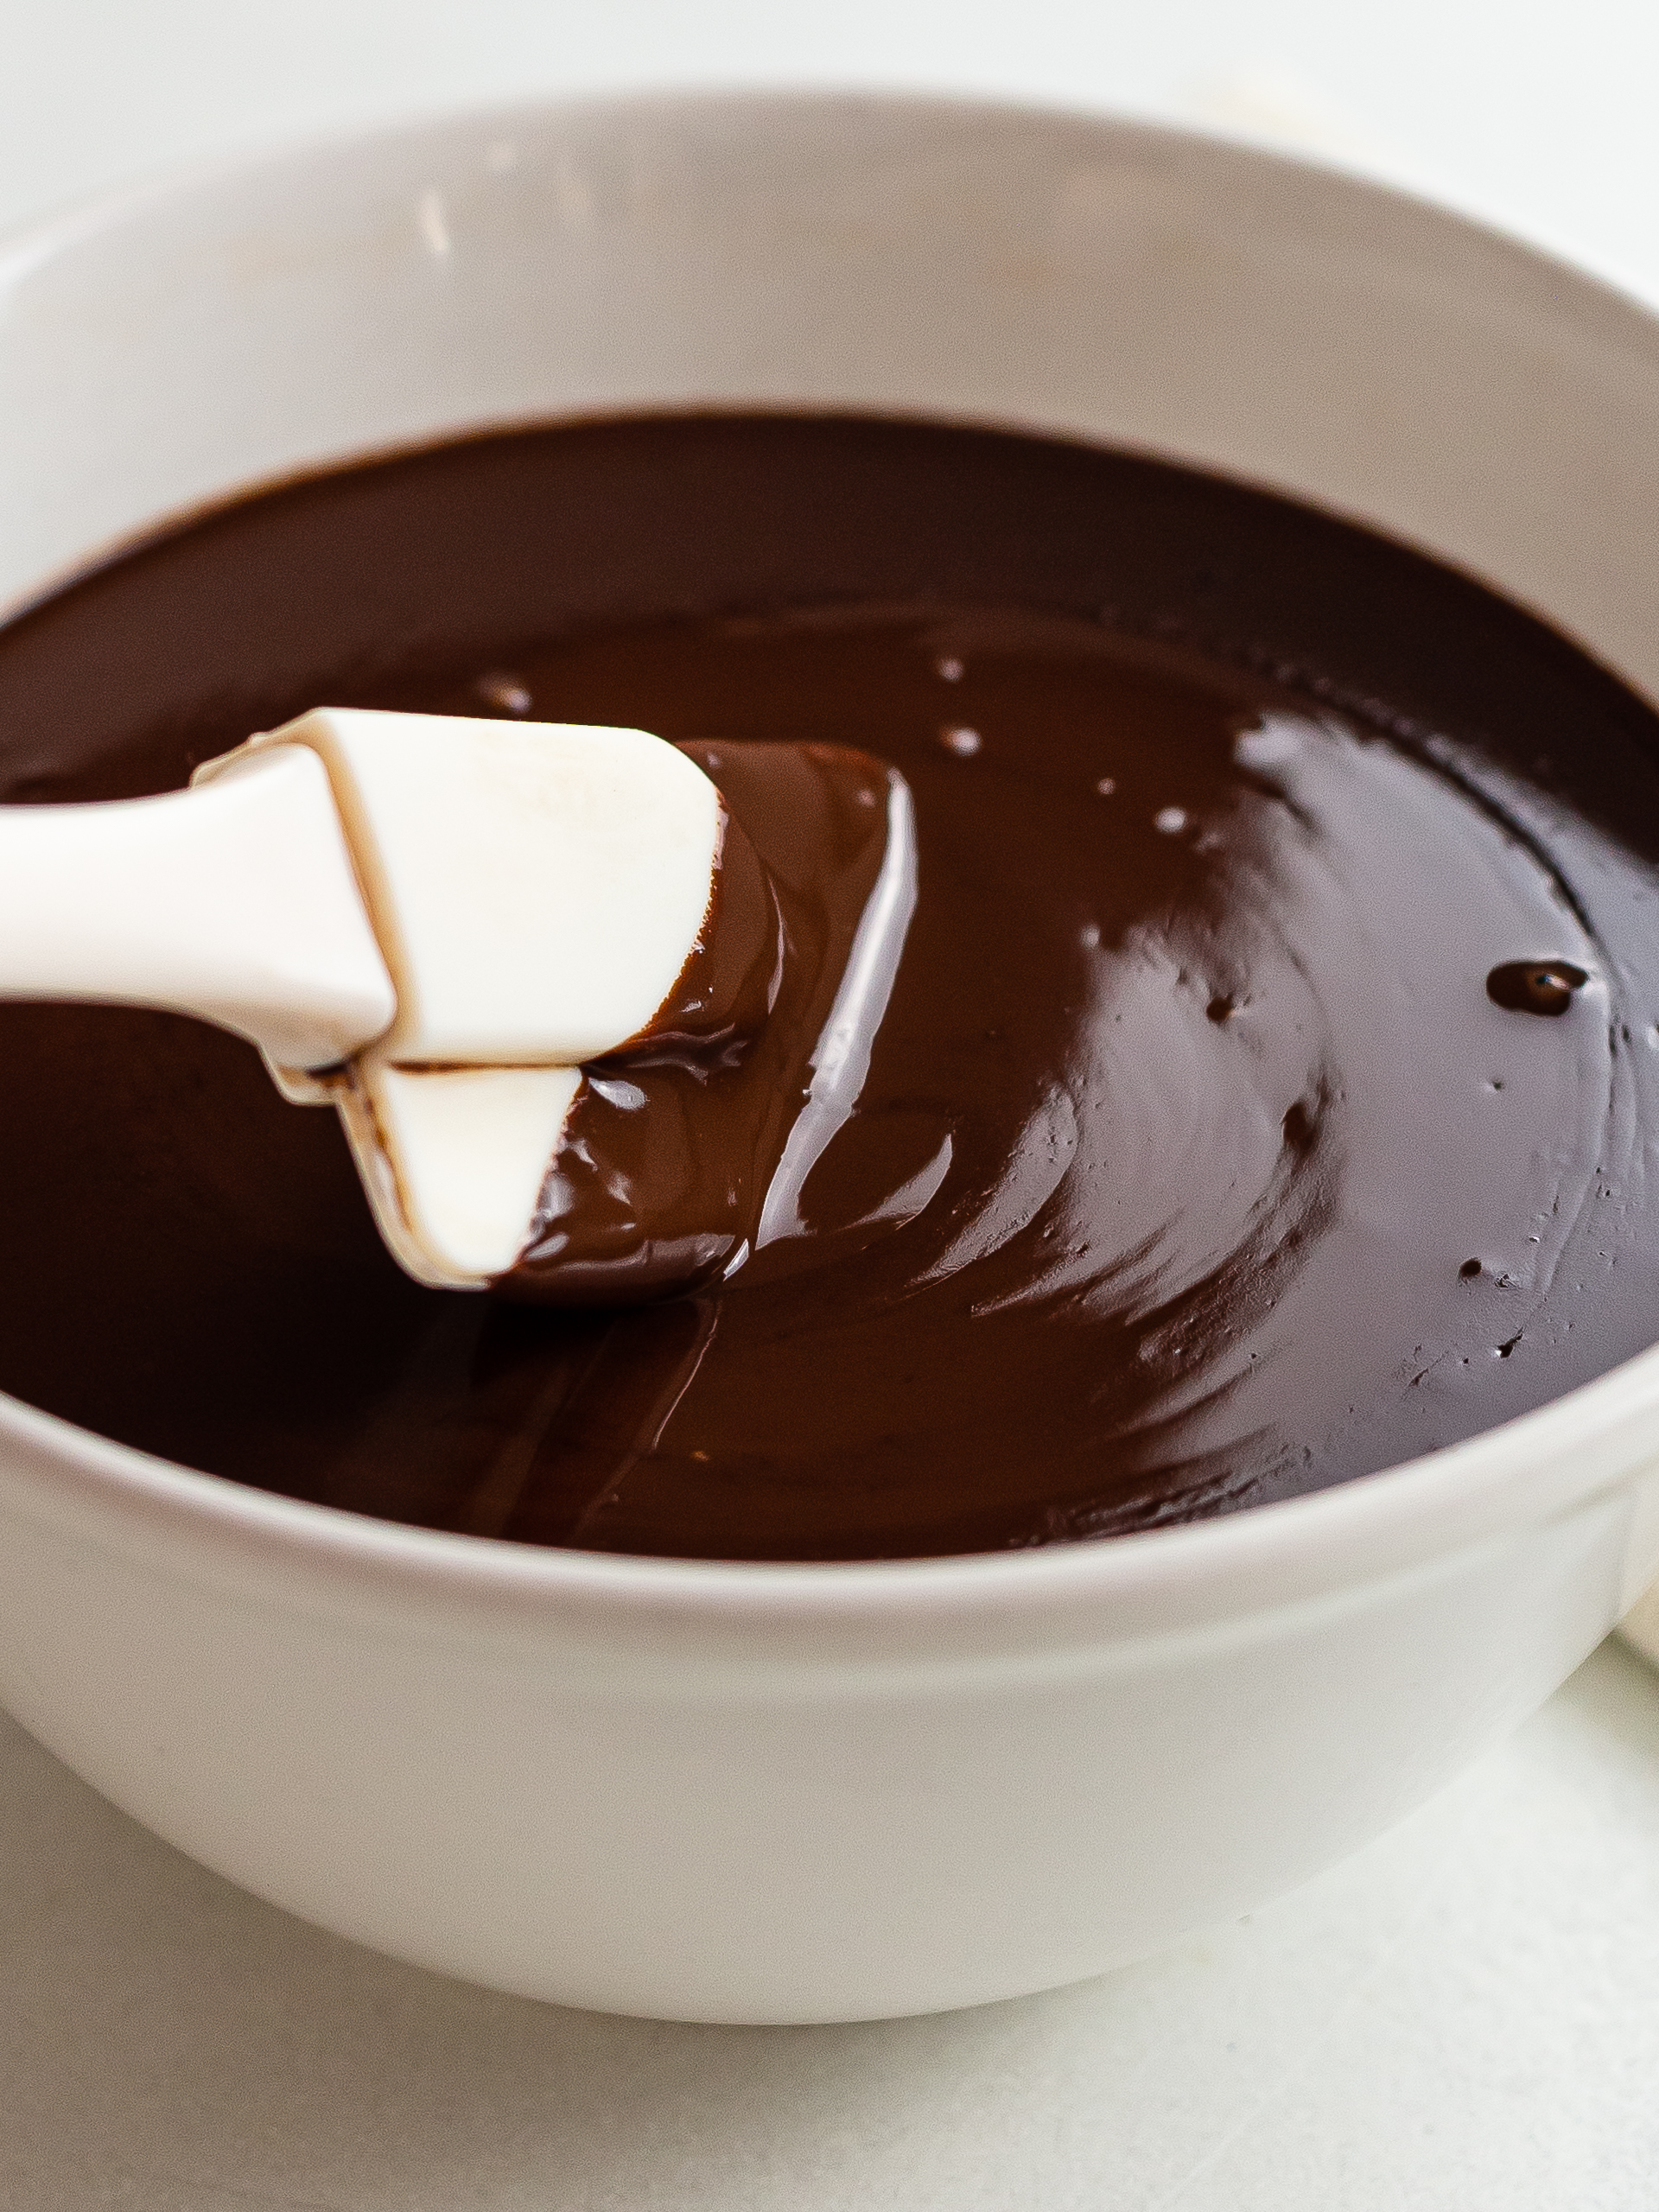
column 1537, row 1466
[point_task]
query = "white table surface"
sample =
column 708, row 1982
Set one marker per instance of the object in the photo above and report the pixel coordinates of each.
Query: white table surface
column 1466, row 2016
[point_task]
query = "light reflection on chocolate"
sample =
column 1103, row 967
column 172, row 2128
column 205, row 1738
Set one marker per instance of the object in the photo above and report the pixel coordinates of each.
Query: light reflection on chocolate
column 685, row 1150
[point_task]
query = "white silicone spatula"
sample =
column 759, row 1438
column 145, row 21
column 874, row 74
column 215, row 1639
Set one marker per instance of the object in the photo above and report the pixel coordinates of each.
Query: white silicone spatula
column 428, row 922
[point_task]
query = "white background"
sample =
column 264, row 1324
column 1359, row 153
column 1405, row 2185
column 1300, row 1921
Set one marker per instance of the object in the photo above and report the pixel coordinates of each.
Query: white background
column 1544, row 111
column 1464, row 2018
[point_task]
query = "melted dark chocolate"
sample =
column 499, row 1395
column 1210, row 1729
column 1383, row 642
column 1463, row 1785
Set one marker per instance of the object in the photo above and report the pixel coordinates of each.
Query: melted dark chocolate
column 1535, row 986
column 1197, row 1162
column 675, row 1144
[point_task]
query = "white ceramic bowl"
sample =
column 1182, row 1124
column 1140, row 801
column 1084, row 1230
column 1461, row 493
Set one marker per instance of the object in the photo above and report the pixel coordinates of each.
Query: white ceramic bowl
column 810, row 1793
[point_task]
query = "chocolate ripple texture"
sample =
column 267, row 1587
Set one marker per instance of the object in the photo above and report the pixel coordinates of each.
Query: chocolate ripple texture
column 1210, row 1148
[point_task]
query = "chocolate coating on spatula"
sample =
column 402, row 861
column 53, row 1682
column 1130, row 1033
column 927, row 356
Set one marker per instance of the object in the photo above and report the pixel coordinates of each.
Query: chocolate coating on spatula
column 661, row 1178
column 1195, row 1165
column 1543, row 987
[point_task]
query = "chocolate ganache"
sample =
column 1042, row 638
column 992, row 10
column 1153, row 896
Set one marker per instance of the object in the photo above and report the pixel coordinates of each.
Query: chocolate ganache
column 687, row 1150
column 1210, row 1150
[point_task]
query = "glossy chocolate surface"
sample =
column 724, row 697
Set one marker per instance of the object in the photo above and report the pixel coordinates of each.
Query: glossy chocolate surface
column 682, row 1149
column 1199, row 1162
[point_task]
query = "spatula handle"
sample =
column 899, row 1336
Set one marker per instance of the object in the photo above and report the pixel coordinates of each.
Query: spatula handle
column 235, row 901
